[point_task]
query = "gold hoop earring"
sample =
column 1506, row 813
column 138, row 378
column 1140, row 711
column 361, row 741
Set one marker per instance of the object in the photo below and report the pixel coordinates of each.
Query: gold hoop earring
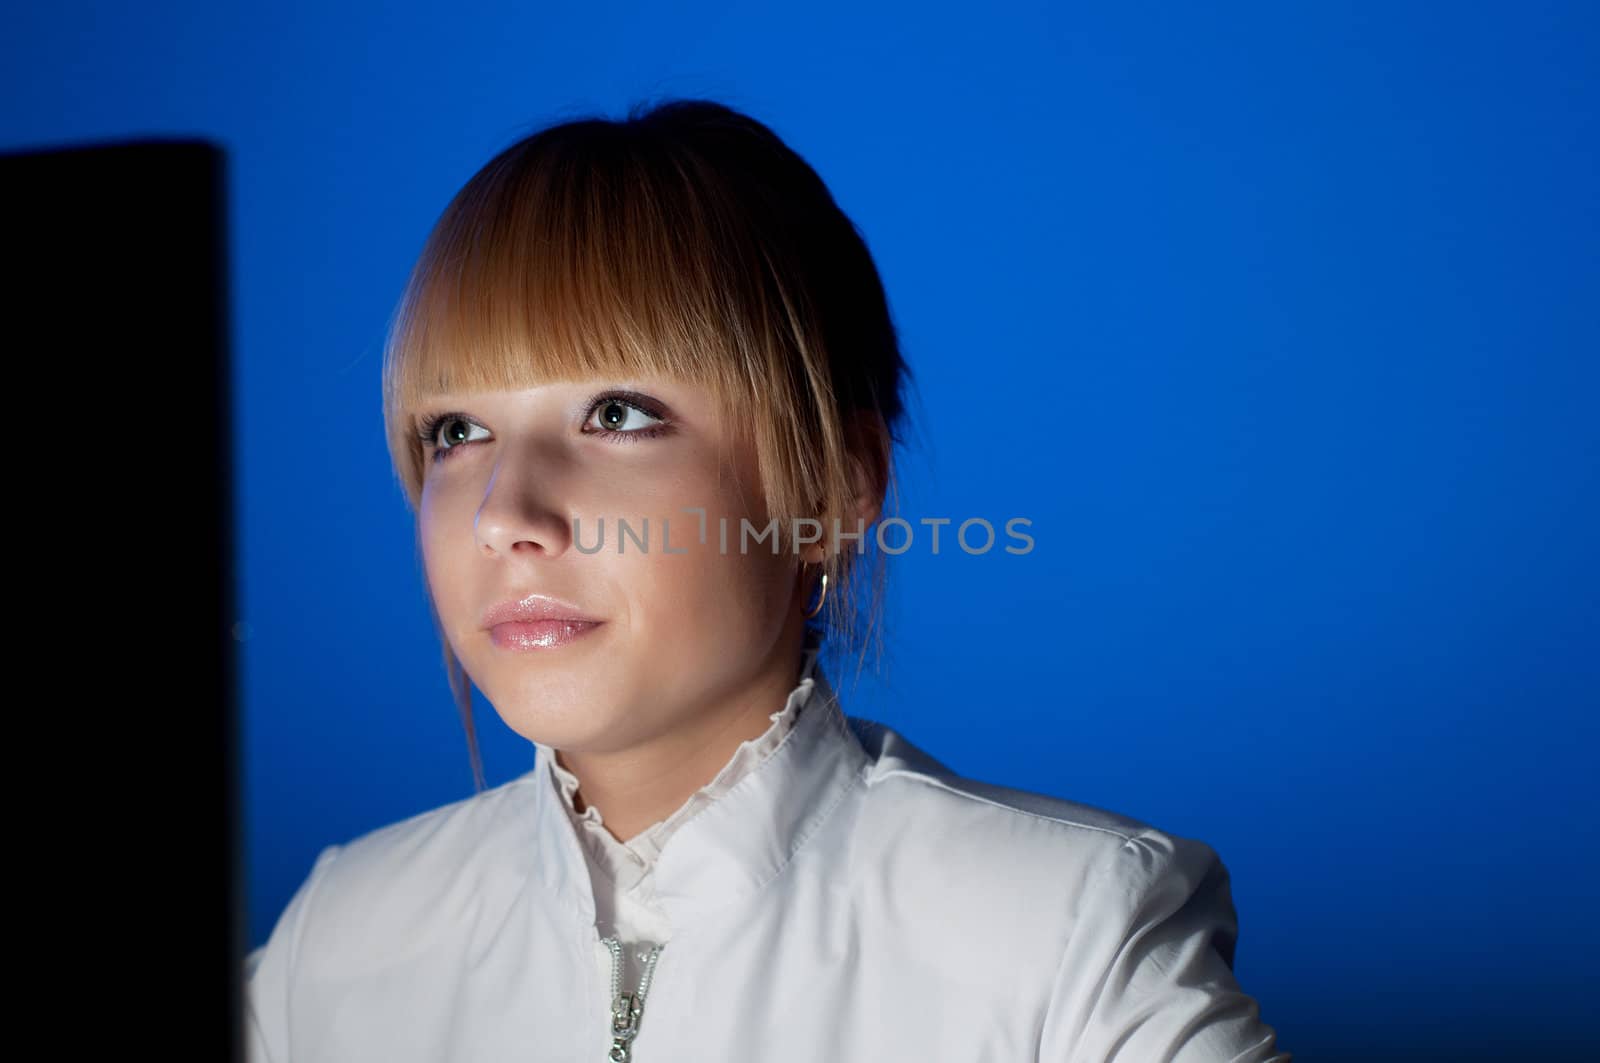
column 818, row 607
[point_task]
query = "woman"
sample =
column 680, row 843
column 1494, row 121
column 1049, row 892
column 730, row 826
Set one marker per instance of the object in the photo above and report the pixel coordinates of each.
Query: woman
column 642, row 393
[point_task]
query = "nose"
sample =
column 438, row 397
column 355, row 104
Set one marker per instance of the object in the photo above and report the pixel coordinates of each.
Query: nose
column 519, row 517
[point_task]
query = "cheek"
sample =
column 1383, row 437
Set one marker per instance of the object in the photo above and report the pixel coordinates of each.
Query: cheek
column 428, row 528
column 443, row 556
column 703, row 605
column 707, row 596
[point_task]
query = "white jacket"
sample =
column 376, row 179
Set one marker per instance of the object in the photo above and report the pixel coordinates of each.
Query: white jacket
column 623, row 872
column 846, row 898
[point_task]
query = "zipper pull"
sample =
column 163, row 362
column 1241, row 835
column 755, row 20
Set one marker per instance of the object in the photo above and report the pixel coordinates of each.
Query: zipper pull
column 626, row 1008
column 625, row 1012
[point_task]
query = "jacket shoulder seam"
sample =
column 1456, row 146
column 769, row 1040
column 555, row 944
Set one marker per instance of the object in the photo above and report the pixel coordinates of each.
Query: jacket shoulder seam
column 936, row 781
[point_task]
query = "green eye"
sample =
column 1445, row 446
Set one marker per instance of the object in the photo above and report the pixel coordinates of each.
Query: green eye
column 619, row 417
column 457, row 429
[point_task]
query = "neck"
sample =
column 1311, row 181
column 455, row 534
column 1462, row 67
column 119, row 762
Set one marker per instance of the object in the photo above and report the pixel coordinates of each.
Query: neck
column 637, row 788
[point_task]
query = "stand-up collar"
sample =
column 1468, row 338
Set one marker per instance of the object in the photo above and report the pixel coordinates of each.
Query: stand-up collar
column 730, row 847
column 627, row 865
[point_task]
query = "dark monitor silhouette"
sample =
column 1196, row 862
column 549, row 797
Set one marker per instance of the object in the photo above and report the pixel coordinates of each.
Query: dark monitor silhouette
column 124, row 710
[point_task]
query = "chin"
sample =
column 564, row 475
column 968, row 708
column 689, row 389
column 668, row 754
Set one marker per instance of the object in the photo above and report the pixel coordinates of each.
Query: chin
column 565, row 710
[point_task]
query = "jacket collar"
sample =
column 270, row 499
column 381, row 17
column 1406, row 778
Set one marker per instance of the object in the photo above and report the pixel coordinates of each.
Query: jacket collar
column 733, row 846
column 626, row 864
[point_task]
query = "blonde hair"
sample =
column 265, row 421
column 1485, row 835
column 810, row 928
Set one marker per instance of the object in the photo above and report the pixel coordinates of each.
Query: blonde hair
column 686, row 240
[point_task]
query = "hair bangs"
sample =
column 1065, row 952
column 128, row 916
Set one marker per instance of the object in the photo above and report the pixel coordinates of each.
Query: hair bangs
column 547, row 268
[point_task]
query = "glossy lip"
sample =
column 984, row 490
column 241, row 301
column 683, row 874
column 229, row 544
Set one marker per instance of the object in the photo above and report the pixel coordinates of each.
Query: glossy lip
column 534, row 607
column 541, row 634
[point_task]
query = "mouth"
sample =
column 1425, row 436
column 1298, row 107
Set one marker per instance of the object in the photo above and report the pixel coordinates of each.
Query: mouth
column 537, row 621
column 540, row 634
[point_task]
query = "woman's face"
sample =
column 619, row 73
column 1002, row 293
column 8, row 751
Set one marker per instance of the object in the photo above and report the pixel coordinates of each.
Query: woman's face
column 507, row 476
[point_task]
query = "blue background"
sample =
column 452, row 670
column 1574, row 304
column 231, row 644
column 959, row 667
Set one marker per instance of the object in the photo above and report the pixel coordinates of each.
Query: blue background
column 1279, row 322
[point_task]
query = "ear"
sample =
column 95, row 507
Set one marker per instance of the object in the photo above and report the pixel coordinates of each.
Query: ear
column 870, row 447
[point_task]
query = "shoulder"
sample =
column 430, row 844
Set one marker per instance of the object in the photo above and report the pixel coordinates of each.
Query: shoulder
column 449, row 835
column 439, row 865
column 447, row 839
column 902, row 776
column 988, row 844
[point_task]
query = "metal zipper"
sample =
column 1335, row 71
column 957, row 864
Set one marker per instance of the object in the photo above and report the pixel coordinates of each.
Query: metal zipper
column 627, row 1008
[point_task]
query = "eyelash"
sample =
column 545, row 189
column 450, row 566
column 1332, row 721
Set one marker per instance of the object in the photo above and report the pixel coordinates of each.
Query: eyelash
column 428, row 430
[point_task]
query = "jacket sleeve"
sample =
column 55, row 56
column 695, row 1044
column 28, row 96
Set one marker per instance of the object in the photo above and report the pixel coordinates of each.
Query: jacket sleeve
column 269, row 973
column 1147, row 975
